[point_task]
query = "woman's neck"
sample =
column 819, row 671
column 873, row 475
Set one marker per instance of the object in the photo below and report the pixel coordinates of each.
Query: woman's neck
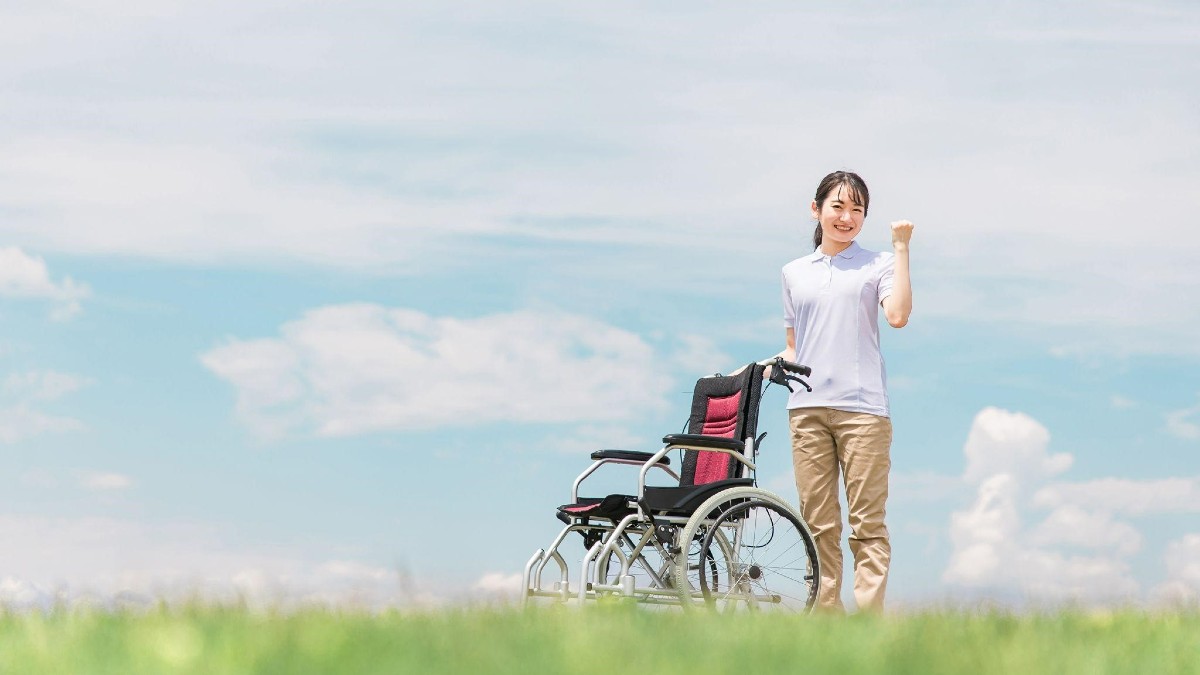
column 832, row 248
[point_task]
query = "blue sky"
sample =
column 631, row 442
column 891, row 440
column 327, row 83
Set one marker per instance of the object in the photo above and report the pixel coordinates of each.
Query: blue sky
column 330, row 301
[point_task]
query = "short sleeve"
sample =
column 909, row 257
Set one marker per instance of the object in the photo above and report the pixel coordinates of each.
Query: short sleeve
column 789, row 310
column 886, row 275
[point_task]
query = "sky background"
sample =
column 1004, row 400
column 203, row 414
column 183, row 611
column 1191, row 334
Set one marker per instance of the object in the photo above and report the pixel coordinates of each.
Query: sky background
column 330, row 301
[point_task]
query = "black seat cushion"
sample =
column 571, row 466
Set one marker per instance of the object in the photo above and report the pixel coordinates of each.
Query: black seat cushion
column 676, row 501
column 684, row 500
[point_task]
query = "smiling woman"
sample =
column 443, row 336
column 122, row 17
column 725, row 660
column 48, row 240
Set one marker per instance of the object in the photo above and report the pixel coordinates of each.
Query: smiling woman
column 831, row 304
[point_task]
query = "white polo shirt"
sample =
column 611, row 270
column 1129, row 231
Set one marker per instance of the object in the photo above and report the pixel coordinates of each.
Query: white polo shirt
column 832, row 304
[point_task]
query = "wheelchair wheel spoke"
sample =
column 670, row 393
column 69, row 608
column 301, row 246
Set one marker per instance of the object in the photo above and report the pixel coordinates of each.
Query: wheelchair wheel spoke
column 768, row 563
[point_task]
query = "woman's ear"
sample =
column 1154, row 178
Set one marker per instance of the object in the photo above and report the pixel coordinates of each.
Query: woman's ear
column 816, row 212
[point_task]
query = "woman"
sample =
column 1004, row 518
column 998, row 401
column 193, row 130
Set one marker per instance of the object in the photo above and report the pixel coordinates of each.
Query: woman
column 831, row 301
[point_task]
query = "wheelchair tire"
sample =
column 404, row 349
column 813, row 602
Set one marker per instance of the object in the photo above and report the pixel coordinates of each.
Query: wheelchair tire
column 765, row 556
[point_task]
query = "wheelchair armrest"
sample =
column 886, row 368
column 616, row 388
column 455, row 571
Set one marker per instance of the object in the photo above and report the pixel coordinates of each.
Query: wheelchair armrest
column 630, row 455
column 604, row 457
column 702, row 441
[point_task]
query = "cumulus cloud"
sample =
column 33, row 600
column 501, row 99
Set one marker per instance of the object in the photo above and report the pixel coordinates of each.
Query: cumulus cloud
column 1025, row 539
column 1121, row 495
column 26, row 276
column 113, row 562
column 1078, row 528
column 351, row 369
column 1182, row 559
column 985, row 535
column 1184, row 423
column 1003, row 442
column 498, row 584
column 22, row 397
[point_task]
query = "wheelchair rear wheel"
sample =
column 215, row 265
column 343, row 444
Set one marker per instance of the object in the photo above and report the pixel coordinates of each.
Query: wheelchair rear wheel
column 765, row 557
column 770, row 568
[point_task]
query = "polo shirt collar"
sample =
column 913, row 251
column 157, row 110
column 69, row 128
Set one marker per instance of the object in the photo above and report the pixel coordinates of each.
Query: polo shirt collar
column 851, row 251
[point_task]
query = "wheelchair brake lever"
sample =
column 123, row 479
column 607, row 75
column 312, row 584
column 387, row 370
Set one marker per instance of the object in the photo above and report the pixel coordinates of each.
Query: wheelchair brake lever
column 780, row 376
column 802, row 382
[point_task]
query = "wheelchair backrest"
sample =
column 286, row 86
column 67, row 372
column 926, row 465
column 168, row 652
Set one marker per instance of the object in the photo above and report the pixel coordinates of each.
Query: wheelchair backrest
column 722, row 405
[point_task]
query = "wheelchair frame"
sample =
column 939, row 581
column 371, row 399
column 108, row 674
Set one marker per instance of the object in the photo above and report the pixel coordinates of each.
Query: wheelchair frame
column 680, row 551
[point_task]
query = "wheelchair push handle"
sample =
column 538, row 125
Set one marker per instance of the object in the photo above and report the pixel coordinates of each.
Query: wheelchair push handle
column 782, row 372
column 796, row 368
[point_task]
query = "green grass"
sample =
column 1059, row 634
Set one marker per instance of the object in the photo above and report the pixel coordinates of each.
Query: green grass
column 598, row 640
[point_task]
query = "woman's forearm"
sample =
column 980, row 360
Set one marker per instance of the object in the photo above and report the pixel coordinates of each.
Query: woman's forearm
column 898, row 305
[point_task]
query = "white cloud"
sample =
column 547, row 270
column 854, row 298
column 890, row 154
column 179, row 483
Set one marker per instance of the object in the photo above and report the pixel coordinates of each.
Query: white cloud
column 1001, row 543
column 1122, row 403
column 39, row 478
column 499, row 583
column 1120, row 495
column 1183, row 424
column 1025, row 537
column 696, row 353
column 20, row 422
column 98, row 481
column 105, row 481
column 351, row 369
column 1010, row 442
column 42, row 385
column 1046, row 575
column 926, row 486
column 1182, row 559
column 266, row 149
column 22, row 395
column 111, row 561
column 985, row 535
column 26, row 276
column 21, row 594
column 1077, row 528
column 203, row 203
column 587, row 438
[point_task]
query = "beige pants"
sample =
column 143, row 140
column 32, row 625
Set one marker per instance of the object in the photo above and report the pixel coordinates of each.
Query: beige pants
column 824, row 440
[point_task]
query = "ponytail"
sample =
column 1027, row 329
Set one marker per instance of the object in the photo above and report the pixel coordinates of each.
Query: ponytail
column 817, row 237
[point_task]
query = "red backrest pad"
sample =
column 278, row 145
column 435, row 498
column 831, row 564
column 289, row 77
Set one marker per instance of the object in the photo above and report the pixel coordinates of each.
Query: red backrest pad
column 720, row 420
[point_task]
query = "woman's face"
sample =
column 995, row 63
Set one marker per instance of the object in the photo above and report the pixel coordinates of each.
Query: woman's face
column 840, row 217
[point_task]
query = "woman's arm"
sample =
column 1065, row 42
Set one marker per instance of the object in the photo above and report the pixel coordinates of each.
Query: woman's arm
column 898, row 305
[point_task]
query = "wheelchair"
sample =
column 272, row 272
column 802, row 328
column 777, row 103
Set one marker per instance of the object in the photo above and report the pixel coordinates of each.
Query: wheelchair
column 716, row 539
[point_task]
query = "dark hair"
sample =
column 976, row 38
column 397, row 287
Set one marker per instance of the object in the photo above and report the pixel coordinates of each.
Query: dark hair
column 858, row 192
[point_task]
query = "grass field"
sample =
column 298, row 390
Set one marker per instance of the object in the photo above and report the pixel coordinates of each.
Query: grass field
column 606, row 639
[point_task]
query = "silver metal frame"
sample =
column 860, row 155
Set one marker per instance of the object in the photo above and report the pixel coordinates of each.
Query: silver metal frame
column 635, row 532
